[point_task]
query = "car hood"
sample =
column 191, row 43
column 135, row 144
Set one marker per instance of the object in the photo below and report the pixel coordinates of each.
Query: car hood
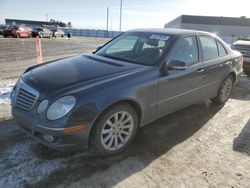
column 242, row 43
column 83, row 70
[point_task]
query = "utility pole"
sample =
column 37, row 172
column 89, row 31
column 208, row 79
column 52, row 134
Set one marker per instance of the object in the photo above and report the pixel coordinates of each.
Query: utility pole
column 107, row 21
column 120, row 28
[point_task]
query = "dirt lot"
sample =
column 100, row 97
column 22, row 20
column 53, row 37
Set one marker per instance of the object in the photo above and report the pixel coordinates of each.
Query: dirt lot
column 200, row 146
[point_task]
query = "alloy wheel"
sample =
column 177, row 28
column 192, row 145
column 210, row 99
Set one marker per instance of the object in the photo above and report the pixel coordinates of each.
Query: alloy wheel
column 117, row 131
column 226, row 89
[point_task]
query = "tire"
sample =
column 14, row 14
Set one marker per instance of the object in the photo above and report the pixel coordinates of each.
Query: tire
column 247, row 73
column 224, row 91
column 106, row 138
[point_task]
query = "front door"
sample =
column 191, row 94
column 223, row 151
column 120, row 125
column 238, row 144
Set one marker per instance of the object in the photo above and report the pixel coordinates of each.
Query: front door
column 180, row 88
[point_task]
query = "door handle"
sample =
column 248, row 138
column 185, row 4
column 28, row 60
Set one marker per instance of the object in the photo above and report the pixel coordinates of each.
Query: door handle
column 226, row 63
column 200, row 70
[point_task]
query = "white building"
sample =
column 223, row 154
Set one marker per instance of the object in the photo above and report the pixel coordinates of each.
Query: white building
column 228, row 28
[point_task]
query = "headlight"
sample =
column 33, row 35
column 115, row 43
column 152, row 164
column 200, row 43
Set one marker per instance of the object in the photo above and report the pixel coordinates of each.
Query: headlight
column 61, row 107
column 42, row 106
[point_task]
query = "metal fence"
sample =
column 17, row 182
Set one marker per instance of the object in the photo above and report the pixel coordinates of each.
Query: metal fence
column 92, row 33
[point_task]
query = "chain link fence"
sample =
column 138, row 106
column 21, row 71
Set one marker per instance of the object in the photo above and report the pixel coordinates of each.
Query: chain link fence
column 92, row 33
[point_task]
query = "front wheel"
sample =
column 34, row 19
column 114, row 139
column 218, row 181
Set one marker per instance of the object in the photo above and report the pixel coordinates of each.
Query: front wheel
column 224, row 91
column 114, row 130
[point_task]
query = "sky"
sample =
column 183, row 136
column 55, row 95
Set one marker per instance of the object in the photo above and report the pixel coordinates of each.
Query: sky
column 91, row 14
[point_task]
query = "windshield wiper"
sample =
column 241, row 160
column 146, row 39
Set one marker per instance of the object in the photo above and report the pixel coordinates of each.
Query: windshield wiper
column 120, row 58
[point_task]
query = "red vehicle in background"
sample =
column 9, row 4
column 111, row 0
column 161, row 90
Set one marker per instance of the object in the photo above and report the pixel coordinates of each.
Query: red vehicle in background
column 17, row 31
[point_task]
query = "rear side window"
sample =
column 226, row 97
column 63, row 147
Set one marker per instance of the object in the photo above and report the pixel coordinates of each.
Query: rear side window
column 209, row 47
column 222, row 51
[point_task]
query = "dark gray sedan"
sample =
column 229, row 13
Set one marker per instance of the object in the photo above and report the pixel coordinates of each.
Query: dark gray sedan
column 100, row 100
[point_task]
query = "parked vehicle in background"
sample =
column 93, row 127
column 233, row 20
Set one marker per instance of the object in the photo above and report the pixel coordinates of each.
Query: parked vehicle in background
column 58, row 33
column 42, row 32
column 100, row 100
column 17, row 31
column 243, row 45
column 2, row 27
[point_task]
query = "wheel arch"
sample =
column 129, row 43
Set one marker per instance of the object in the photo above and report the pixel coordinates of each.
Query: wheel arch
column 131, row 102
column 233, row 74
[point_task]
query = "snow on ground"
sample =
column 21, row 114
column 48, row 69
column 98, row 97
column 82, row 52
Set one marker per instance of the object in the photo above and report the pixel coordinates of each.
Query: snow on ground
column 21, row 166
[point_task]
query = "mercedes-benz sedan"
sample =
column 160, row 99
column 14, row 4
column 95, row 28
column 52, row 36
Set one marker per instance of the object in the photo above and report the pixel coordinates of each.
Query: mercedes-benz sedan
column 100, row 100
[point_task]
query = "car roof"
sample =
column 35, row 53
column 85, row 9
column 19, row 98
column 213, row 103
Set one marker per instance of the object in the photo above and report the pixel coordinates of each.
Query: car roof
column 171, row 31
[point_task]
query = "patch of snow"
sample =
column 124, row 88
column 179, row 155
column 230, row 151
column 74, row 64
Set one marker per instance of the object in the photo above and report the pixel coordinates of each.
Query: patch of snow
column 20, row 166
column 5, row 90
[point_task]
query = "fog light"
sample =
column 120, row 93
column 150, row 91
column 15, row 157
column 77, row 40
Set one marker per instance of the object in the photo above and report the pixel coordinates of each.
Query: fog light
column 48, row 138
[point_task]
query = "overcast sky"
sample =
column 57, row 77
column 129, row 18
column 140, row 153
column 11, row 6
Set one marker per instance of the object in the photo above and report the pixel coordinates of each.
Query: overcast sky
column 136, row 13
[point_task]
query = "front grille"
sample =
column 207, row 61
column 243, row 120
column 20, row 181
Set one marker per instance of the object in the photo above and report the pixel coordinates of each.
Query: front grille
column 243, row 51
column 26, row 97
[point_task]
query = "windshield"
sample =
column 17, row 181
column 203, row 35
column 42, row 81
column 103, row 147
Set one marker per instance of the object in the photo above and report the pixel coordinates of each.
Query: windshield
column 247, row 37
column 139, row 48
column 38, row 29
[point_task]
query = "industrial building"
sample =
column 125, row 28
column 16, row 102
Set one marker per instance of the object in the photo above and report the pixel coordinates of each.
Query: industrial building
column 228, row 28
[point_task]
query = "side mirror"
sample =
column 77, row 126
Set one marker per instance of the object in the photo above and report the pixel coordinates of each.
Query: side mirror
column 176, row 65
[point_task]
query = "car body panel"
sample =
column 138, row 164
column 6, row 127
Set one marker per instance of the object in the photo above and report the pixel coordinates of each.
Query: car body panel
column 99, row 82
column 179, row 88
column 243, row 46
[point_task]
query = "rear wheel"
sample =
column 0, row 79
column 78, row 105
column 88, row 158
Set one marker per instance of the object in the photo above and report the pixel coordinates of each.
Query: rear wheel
column 224, row 91
column 114, row 130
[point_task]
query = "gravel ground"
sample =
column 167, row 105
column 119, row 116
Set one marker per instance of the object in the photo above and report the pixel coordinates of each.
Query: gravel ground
column 18, row 54
column 200, row 146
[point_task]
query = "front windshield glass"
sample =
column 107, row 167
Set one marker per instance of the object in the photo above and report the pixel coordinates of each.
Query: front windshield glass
column 247, row 37
column 139, row 48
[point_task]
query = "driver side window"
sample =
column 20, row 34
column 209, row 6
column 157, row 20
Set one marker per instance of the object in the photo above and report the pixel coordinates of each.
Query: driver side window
column 185, row 50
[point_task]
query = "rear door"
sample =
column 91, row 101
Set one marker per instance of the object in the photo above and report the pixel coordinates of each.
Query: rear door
column 216, row 65
column 180, row 88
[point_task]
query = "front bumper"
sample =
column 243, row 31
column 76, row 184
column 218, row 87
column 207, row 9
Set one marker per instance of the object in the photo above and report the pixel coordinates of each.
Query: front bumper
column 37, row 129
column 246, row 64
